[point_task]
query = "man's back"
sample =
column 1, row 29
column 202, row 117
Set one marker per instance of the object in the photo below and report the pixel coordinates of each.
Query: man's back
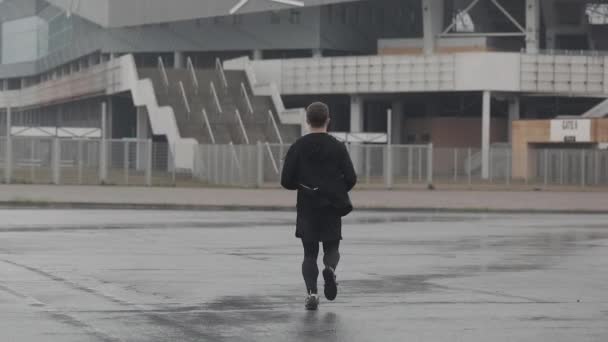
column 316, row 160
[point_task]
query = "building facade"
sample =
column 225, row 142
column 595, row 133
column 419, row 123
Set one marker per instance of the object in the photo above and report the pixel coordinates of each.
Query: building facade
column 455, row 73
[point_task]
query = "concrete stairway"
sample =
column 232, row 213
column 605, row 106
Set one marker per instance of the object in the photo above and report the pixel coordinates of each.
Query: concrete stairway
column 224, row 124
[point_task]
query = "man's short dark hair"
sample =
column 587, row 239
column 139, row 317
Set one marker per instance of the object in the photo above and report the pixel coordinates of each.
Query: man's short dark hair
column 317, row 114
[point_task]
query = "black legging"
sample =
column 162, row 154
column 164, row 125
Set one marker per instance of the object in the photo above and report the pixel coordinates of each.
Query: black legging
column 310, row 271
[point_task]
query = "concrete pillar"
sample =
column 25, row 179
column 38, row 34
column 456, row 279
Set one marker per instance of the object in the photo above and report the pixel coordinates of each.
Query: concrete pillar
column 178, row 60
column 143, row 134
column 103, row 148
column 257, row 55
column 8, row 152
column 356, row 113
column 109, row 118
column 317, row 53
column 356, row 126
column 143, row 131
column 485, row 135
column 432, row 17
column 398, row 122
column 514, row 114
column 532, row 25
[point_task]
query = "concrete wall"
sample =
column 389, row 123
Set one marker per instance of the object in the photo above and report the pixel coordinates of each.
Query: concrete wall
column 456, row 132
column 527, row 132
column 122, row 13
column 489, row 71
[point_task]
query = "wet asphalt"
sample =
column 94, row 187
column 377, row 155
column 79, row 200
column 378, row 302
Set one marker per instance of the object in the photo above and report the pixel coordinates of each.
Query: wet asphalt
column 79, row 275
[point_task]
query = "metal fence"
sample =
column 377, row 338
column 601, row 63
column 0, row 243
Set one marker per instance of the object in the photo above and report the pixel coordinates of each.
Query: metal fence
column 395, row 166
column 49, row 160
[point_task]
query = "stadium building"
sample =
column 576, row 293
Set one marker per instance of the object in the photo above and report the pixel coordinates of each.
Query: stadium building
column 455, row 73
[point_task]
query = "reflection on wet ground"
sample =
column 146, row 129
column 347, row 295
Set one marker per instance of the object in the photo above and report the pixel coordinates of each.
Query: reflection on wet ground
column 234, row 276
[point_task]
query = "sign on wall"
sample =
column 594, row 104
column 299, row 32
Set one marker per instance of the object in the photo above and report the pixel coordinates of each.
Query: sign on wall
column 571, row 130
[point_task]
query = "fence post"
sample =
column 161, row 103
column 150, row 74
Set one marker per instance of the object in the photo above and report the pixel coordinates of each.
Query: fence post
column 32, row 158
column 368, row 163
column 260, row 164
column 410, row 164
column 469, row 166
column 172, row 153
column 509, row 166
column 546, row 166
column 126, row 161
column 103, row 159
column 561, row 167
column 429, row 164
column 80, row 161
column 56, row 161
column 149, row 164
column 583, row 168
column 8, row 153
column 455, row 165
column 388, row 172
column 596, row 165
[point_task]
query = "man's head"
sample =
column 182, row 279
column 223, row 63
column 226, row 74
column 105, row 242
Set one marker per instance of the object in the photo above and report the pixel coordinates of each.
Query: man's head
column 317, row 115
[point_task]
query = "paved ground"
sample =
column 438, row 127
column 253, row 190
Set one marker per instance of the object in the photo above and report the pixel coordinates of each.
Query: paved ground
column 216, row 276
column 121, row 197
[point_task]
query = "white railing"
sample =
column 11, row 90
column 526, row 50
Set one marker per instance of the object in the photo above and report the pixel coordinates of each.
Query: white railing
column 208, row 124
column 185, row 98
column 276, row 127
column 222, row 74
column 216, row 99
column 273, row 161
column 163, row 72
column 246, row 97
column 141, row 162
column 235, row 156
column 242, row 126
column 296, row 116
column 190, row 67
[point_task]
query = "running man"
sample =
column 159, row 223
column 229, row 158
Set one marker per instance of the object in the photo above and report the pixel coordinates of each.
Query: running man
column 320, row 168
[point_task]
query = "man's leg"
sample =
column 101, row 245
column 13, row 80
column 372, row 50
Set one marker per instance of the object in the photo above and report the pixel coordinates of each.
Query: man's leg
column 310, row 271
column 331, row 258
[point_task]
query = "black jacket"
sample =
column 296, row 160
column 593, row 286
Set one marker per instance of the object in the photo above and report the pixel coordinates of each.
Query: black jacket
column 320, row 168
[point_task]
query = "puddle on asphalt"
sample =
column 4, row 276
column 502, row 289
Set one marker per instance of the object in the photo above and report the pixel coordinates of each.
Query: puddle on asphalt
column 371, row 219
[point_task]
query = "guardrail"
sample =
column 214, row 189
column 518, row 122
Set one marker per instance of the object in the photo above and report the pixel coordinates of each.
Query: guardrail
column 190, row 67
column 246, row 97
column 216, row 99
column 185, row 98
column 275, row 127
column 208, row 124
column 242, row 126
column 163, row 72
column 220, row 69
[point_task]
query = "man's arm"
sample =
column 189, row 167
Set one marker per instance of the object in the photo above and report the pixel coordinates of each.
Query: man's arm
column 350, row 177
column 289, row 176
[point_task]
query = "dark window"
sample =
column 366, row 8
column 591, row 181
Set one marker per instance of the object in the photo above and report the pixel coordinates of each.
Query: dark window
column 237, row 19
column 275, row 18
column 425, row 138
column 294, row 16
